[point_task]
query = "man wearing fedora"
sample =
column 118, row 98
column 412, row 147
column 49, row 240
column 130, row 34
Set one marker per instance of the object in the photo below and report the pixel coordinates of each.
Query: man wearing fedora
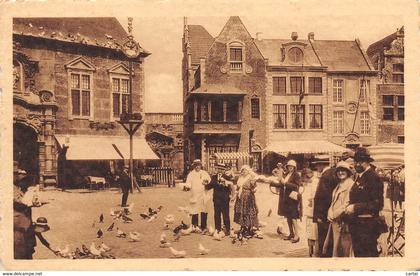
column 221, row 183
column 125, row 184
column 200, row 197
column 365, row 201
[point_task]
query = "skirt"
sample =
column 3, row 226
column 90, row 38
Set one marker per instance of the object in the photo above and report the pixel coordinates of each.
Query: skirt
column 246, row 211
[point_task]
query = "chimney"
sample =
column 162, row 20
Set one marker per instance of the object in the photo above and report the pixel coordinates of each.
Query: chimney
column 258, row 35
column 294, row 35
column 311, row 36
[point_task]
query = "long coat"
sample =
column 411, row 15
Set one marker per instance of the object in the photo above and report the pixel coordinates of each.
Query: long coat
column 323, row 194
column 289, row 207
column 200, row 200
column 342, row 245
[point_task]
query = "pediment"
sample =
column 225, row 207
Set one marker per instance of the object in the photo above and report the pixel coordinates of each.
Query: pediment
column 119, row 68
column 80, row 63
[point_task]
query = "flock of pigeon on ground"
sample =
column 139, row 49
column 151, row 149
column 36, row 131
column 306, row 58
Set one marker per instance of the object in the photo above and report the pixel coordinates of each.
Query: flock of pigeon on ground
column 103, row 251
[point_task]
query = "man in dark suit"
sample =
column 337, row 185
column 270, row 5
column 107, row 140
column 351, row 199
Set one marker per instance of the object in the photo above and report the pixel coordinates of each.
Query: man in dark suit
column 366, row 200
column 221, row 183
column 125, row 184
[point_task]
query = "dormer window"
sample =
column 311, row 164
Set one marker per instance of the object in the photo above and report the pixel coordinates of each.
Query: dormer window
column 295, row 55
column 236, row 57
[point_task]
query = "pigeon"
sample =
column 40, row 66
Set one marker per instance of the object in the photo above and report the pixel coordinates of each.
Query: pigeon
column 134, row 236
column 165, row 245
column 111, row 227
column 165, row 226
column 65, row 251
column 203, row 250
column 130, row 208
column 179, row 227
column 177, row 236
column 160, row 208
column 216, row 236
column 152, row 218
column 94, row 250
column 163, row 238
column 222, row 234
column 105, row 247
column 121, row 234
column 85, row 249
column 99, row 234
column 232, row 234
column 178, row 254
column 101, row 218
column 127, row 219
column 79, row 253
column 269, row 212
column 169, row 219
column 186, row 231
column 211, row 230
column 144, row 216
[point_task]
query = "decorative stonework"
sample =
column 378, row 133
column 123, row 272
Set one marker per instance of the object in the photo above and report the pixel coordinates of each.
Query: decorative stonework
column 24, row 70
column 101, row 126
column 46, row 96
column 351, row 107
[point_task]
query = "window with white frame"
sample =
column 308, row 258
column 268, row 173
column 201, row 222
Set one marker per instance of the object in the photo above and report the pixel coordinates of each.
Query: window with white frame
column 120, row 96
column 298, row 116
column 364, row 90
column 364, row 123
column 236, row 57
column 338, row 91
column 338, row 122
column 315, row 116
column 279, row 115
column 80, row 84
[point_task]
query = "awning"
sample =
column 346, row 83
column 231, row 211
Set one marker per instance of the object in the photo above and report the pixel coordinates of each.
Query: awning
column 310, row 146
column 85, row 147
column 230, row 155
column 387, row 156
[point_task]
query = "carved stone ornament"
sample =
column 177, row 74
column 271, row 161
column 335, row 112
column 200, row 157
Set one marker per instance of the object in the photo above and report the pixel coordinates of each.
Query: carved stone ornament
column 29, row 67
column 35, row 120
column 397, row 47
column 352, row 137
column 248, row 69
column 46, row 96
column 224, row 68
column 351, row 107
column 102, row 126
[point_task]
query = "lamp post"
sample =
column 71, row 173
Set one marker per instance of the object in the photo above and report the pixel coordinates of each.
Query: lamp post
column 130, row 121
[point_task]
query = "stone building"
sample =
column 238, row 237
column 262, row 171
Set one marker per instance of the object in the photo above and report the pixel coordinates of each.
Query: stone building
column 164, row 133
column 71, row 83
column 224, row 93
column 387, row 56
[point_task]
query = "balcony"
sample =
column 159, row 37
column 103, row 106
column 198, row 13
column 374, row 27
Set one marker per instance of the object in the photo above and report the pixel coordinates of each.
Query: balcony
column 216, row 127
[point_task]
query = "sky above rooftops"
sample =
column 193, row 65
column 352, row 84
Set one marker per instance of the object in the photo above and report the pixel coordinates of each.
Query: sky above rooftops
column 162, row 36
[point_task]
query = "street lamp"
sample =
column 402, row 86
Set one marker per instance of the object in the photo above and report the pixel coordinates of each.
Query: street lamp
column 130, row 121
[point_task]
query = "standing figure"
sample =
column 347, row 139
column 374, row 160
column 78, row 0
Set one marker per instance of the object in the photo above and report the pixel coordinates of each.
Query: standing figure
column 125, row 184
column 246, row 211
column 197, row 179
column 366, row 200
column 221, row 183
column 341, row 239
column 289, row 200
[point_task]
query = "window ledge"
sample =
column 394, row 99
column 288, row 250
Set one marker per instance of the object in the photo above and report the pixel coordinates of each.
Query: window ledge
column 81, row 118
column 297, row 130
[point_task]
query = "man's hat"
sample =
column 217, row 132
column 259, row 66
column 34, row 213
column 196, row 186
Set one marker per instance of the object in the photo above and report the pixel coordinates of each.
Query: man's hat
column 220, row 166
column 196, row 162
column 362, row 155
column 41, row 225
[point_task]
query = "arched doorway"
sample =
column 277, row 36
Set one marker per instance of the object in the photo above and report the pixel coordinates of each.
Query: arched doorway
column 26, row 149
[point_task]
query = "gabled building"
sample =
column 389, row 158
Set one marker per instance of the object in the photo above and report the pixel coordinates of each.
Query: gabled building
column 71, row 84
column 224, row 94
column 387, row 56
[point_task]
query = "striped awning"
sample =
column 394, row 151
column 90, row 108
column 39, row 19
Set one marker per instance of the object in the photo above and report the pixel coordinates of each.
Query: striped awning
column 309, row 146
column 387, row 156
column 230, row 155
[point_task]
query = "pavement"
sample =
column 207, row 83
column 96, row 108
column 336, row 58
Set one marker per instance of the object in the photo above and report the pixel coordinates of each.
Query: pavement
column 73, row 217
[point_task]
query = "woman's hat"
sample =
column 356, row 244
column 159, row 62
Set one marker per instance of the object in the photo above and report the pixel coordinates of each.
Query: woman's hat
column 196, row 162
column 344, row 165
column 307, row 173
column 41, row 225
column 362, row 155
column 292, row 163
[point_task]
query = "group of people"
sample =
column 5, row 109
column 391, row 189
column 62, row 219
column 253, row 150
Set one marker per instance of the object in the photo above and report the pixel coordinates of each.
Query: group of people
column 341, row 205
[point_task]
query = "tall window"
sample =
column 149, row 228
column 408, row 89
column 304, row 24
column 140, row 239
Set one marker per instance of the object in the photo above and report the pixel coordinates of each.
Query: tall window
column 388, row 107
column 236, row 58
column 338, row 122
column 364, row 122
column 364, row 90
column 255, row 108
column 279, row 85
column 298, row 116
column 338, row 91
column 279, row 115
column 398, row 73
column 400, row 102
column 204, row 114
column 120, row 96
column 297, row 85
column 315, row 116
column 315, row 85
column 80, row 94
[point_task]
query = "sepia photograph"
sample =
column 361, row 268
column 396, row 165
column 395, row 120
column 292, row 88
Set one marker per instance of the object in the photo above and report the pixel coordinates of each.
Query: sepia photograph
column 192, row 136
